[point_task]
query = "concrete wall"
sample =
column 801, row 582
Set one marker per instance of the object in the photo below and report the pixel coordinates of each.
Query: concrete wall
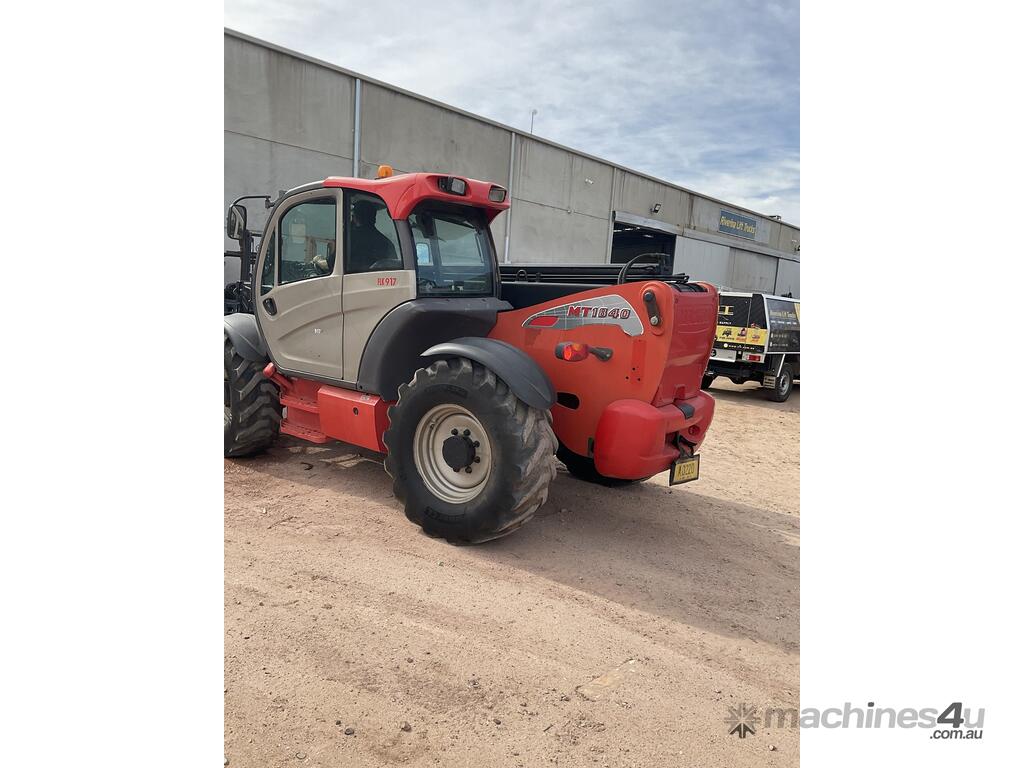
column 290, row 119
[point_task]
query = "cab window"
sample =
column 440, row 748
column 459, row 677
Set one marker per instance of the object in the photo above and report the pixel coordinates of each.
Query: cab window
column 371, row 240
column 454, row 255
column 267, row 276
column 307, row 238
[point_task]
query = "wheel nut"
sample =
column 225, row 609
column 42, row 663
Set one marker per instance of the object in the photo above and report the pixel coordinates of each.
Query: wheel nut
column 455, row 431
column 469, row 470
column 476, row 443
column 476, row 459
column 465, row 433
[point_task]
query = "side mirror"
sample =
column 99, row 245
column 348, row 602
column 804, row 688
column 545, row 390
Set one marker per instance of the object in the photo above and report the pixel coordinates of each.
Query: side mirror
column 236, row 222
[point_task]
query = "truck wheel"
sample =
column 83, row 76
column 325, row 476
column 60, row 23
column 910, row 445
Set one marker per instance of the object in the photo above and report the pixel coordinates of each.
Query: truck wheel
column 783, row 385
column 471, row 461
column 582, row 468
column 706, row 382
column 252, row 408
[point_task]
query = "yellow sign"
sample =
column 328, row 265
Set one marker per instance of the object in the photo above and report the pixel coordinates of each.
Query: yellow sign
column 756, row 337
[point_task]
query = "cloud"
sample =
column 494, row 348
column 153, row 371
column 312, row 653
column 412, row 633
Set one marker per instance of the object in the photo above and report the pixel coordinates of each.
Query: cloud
column 705, row 94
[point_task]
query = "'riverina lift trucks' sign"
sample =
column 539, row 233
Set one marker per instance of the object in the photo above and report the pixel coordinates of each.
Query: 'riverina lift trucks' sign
column 734, row 224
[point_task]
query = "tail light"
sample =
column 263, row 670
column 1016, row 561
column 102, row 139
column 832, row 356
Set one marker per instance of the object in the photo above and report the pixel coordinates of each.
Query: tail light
column 574, row 351
column 571, row 351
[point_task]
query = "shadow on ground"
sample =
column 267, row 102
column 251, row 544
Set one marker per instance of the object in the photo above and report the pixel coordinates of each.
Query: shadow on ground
column 751, row 393
column 723, row 566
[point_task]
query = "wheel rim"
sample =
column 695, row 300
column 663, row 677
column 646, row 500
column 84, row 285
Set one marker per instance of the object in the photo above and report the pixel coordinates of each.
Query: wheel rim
column 784, row 384
column 438, row 425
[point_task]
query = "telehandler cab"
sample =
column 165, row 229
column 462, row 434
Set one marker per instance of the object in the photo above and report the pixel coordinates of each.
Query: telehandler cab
column 377, row 317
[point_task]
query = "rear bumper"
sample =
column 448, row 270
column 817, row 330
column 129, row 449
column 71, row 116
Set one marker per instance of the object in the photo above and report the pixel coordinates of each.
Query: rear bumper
column 635, row 440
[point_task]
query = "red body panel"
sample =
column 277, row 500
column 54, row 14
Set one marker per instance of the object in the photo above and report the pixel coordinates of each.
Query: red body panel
column 354, row 417
column 319, row 412
column 629, row 412
column 635, row 440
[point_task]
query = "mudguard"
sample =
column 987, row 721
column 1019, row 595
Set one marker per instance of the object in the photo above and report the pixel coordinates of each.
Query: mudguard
column 513, row 366
column 245, row 336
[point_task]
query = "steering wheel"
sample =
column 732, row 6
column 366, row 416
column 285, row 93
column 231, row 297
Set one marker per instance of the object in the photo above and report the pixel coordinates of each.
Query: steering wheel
column 631, row 262
column 321, row 265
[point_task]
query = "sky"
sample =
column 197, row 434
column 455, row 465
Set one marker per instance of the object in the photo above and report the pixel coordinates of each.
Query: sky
column 702, row 94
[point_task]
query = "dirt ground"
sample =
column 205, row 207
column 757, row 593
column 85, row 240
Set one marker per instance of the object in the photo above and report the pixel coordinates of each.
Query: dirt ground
column 615, row 629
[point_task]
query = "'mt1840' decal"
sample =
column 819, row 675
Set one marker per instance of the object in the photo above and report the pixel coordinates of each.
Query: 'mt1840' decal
column 603, row 310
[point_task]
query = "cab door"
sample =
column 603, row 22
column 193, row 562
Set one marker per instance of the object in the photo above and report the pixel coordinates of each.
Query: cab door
column 299, row 306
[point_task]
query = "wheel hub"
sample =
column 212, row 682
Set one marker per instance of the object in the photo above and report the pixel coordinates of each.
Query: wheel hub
column 459, row 451
column 452, row 453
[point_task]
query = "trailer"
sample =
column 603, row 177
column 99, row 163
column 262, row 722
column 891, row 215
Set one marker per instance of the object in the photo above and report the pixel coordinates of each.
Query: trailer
column 757, row 339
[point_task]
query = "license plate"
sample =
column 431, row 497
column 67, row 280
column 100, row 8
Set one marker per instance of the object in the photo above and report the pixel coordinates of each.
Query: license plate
column 729, row 355
column 684, row 470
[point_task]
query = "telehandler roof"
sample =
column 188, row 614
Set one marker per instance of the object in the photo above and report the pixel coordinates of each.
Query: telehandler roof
column 403, row 192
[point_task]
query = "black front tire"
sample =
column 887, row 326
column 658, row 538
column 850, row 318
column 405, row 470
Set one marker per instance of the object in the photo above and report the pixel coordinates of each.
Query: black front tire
column 521, row 465
column 252, row 406
column 783, row 385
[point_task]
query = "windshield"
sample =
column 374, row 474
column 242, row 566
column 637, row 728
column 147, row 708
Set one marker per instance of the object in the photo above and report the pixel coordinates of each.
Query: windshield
column 453, row 252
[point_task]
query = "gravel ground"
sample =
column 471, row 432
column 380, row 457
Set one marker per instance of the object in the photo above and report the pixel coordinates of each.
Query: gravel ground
column 615, row 629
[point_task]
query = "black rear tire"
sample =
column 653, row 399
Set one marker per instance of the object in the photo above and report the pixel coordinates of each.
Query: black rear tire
column 708, row 380
column 520, row 440
column 783, row 385
column 252, row 406
column 583, row 468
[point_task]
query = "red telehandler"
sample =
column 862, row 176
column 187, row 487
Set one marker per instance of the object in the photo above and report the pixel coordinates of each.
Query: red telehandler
column 377, row 317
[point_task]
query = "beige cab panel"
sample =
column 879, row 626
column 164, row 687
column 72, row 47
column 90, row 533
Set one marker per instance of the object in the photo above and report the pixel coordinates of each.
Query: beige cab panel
column 302, row 319
column 306, row 333
column 367, row 297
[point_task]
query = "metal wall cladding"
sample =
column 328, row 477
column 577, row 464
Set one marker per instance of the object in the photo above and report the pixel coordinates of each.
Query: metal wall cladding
column 273, row 96
column 261, row 167
column 789, row 239
column 541, row 234
column 788, row 280
column 558, row 178
column 416, row 135
column 638, row 195
column 750, row 271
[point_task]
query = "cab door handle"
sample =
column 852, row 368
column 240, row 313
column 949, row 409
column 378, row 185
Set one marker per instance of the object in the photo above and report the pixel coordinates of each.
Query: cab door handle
column 271, row 306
